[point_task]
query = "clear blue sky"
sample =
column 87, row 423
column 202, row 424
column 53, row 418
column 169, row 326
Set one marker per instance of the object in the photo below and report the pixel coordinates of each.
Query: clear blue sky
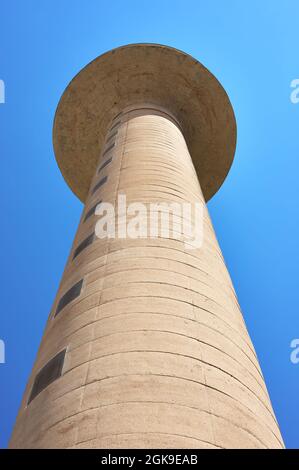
column 252, row 48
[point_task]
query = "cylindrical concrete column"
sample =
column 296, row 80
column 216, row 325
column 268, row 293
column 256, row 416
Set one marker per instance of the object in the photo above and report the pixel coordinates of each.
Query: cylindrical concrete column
column 145, row 346
column 157, row 353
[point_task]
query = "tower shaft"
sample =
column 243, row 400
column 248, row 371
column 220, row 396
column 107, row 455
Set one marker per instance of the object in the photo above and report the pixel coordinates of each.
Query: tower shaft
column 145, row 345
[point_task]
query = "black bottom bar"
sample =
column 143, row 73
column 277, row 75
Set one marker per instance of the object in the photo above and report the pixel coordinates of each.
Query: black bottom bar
column 136, row 459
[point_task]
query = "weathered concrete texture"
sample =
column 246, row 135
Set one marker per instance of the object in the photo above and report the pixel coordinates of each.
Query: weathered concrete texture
column 138, row 74
column 158, row 355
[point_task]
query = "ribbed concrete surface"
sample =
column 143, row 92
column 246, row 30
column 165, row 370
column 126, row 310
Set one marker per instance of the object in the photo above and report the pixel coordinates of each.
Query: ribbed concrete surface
column 158, row 354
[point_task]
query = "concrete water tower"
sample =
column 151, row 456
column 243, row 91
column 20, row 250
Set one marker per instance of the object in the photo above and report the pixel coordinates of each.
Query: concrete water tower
column 145, row 346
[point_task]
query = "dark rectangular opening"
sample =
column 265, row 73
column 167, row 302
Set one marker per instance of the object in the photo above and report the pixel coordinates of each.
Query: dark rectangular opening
column 70, row 295
column 91, row 211
column 115, row 125
column 105, row 164
column 111, row 137
column 117, row 116
column 99, row 184
column 108, row 149
column 50, row 372
column 84, row 244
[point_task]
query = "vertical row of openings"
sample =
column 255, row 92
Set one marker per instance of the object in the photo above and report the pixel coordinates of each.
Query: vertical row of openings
column 48, row 374
column 70, row 295
column 91, row 211
column 84, row 244
column 99, row 184
column 53, row 369
column 107, row 150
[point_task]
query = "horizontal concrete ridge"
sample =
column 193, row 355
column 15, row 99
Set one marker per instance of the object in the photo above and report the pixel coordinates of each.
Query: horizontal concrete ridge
column 157, row 352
